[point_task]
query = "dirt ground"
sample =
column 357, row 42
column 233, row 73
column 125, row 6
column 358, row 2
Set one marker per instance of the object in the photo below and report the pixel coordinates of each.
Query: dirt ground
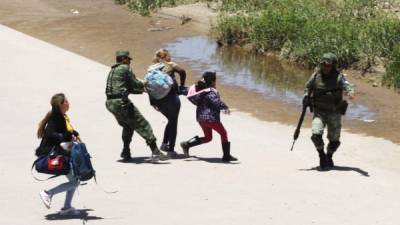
column 96, row 28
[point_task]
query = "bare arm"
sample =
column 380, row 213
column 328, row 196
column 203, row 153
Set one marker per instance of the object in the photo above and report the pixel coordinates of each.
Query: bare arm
column 182, row 74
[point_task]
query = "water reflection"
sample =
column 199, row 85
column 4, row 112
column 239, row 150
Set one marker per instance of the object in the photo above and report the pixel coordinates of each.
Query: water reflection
column 264, row 75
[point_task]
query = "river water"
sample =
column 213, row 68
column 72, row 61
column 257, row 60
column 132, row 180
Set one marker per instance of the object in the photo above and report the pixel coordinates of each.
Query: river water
column 262, row 75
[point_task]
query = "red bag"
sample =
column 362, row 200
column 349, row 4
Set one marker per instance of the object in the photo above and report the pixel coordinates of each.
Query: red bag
column 57, row 163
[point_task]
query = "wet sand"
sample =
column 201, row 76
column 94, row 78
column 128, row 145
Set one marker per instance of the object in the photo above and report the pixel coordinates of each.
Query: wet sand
column 102, row 27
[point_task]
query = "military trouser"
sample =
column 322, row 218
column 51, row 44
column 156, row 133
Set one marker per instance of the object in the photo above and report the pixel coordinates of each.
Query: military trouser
column 331, row 120
column 129, row 117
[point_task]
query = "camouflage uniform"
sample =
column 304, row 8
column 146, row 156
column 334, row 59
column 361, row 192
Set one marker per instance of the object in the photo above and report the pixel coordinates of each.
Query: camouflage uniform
column 327, row 99
column 121, row 82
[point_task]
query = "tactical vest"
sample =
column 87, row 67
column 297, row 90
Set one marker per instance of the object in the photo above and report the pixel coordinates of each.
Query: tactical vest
column 327, row 91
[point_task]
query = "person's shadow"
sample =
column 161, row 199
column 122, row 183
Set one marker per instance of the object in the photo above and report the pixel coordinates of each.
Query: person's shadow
column 143, row 160
column 84, row 216
column 210, row 160
column 339, row 168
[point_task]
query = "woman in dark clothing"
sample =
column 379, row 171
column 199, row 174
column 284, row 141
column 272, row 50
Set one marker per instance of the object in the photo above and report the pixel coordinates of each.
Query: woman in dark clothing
column 170, row 105
column 55, row 129
column 209, row 105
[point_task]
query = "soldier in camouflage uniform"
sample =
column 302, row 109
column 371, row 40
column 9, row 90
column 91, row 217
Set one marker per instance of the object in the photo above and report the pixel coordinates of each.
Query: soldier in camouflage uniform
column 120, row 83
column 324, row 91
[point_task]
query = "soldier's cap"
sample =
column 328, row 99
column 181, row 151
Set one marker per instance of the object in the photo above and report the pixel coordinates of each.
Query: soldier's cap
column 329, row 58
column 121, row 53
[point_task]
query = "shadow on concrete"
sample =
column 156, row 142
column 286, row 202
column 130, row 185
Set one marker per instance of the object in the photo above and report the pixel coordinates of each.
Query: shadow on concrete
column 84, row 216
column 339, row 168
column 179, row 156
column 143, row 160
column 211, row 160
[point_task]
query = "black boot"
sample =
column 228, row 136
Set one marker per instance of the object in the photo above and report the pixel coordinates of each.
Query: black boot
column 226, row 148
column 323, row 164
column 331, row 148
column 319, row 145
column 190, row 143
column 126, row 154
column 329, row 160
column 127, row 134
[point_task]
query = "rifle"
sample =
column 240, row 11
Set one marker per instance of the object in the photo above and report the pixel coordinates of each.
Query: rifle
column 301, row 119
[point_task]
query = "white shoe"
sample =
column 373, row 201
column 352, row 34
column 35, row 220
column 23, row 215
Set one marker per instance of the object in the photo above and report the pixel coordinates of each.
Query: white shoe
column 46, row 198
column 69, row 212
column 158, row 156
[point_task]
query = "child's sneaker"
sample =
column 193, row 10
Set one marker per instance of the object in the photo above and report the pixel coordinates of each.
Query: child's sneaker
column 46, row 198
column 69, row 212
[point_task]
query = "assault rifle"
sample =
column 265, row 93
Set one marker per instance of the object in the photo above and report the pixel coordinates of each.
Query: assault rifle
column 307, row 102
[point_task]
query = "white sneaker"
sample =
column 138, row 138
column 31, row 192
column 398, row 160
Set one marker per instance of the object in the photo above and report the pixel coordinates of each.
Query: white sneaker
column 46, row 198
column 69, row 212
column 158, row 156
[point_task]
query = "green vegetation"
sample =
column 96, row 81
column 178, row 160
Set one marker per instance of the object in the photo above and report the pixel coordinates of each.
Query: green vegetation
column 358, row 31
column 144, row 7
column 392, row 76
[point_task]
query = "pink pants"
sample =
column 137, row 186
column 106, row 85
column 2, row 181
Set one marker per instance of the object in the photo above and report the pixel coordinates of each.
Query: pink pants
column 207, row 129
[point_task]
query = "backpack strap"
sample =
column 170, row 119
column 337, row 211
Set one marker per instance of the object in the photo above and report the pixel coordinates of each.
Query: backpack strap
column 101, row 188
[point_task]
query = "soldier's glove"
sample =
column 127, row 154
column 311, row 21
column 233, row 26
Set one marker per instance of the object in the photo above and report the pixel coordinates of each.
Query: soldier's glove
column 306, row 100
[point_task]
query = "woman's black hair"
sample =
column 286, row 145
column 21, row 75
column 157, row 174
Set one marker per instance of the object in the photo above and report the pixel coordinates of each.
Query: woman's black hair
column 206, row 82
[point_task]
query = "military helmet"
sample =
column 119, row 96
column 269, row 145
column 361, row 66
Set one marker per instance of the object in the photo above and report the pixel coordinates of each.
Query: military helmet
column 121, row 53
column 329, row 58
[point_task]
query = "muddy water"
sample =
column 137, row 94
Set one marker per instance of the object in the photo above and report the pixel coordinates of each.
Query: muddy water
column 268, row 78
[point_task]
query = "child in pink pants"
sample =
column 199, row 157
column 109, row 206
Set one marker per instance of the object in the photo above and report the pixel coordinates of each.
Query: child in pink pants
column 209, row 105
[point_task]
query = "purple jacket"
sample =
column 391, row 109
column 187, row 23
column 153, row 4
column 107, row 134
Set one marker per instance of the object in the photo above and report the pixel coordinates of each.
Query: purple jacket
column 209, row 105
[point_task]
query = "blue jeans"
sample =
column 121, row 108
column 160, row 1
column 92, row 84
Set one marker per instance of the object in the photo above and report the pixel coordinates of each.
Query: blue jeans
column 68, row 187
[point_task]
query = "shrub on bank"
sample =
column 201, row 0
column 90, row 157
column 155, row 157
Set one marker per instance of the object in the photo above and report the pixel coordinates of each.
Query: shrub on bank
column 144, row 7
column 358, row 31
column 392, row 76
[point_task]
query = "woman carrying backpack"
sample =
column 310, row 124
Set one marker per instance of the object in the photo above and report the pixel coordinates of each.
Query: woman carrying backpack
column 170, row 105
column 55, row 129
column 209, row 105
